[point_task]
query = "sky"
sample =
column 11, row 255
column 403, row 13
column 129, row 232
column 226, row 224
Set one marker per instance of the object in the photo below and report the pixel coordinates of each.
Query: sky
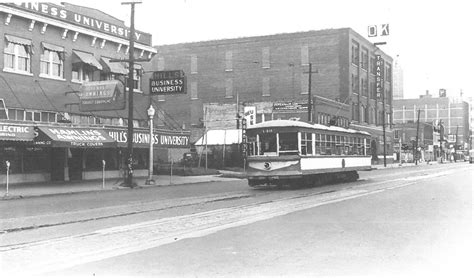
column 432, row 39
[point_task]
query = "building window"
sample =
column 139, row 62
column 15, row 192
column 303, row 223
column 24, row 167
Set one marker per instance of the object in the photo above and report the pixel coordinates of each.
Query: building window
column 355, row 112
column 52, row 61
column 83, row 66
column 304, row 84
column 355, row 53
column 194, row 91
column 161, row 63
column 194, row 64
column 365, row 59
column 355, row 84
column 3, row 110
column 137, row 79
column 388, row 73
column 15, row 114
column 229, row 88
column 372, row 90
column 266, row 57
column 266, row 86
column 17, row 54
column 372, row 65
column 228, row 60
column 304, row 55
column 364, row 87
column 82, row 72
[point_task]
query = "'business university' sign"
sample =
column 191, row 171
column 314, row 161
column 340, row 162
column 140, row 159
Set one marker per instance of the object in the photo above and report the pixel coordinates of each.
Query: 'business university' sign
column 81, row 19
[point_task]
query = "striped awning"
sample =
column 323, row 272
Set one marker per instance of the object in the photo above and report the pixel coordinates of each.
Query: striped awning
column 17, row 40
column 86, row 58
column 116, row 68
column 52, row 47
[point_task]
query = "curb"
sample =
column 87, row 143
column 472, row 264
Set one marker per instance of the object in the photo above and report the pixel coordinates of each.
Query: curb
column 114, row 187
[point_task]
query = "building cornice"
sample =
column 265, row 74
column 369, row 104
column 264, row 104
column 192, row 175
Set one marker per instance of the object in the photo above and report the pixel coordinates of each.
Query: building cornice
column 73, row 28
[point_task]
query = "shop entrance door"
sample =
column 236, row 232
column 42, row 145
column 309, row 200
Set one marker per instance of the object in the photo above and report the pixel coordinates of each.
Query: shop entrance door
column 75, row 165
column 57, row 164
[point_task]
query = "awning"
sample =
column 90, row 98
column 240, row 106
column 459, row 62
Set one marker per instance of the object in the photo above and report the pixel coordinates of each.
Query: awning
column 12, row 132
column 86, row 58
column 25, row 42
column 17, row 40
column 52, row 47
column 117, row 68
column 220, row 137
column 74, row 137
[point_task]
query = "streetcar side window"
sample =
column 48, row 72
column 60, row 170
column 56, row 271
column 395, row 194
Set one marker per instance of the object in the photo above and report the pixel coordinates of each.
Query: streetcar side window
column 288, row 143
column 267, row 144
column 318, row 143
column 306, row 143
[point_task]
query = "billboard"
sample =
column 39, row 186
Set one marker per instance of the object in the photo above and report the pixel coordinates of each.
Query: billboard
column 101, row 96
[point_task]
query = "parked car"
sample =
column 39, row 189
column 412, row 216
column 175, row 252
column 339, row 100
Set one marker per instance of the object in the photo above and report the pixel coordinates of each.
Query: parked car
column 471, row 156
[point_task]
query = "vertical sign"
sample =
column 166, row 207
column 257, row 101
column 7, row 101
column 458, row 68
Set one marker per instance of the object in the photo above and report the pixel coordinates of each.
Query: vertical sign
column 250, row 113
column 379, row 75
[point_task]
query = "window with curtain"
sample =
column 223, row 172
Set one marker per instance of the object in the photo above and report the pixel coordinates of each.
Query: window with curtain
column 17, row 55
column 52, row 63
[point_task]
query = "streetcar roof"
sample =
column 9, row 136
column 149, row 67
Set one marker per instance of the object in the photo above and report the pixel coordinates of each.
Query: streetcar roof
column 290, row 123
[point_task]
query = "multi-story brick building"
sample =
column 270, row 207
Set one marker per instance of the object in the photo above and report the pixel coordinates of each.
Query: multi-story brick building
column 50, row 53
column 268, row 75
column 452, row 113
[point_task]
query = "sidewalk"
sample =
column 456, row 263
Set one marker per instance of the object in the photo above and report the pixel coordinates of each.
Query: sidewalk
column 16, row 191
column 405, row 164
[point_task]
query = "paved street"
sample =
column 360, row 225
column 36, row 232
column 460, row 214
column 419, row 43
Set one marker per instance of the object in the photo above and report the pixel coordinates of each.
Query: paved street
column 405, row 221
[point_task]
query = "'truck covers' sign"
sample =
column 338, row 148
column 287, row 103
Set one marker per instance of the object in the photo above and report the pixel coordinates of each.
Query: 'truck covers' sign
column 102, row 95
column 168, row 83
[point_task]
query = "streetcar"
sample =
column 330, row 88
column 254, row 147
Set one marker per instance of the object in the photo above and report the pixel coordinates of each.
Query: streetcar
column 289, row 153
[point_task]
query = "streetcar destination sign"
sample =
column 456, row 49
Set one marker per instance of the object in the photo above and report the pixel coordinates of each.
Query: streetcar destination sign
column 168, row 83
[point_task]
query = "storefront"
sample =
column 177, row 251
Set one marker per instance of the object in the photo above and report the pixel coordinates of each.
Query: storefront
column 27, row 162
column 59, row 153
column 76, row 153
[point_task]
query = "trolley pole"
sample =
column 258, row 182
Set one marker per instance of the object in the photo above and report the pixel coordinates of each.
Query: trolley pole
column 310, row 96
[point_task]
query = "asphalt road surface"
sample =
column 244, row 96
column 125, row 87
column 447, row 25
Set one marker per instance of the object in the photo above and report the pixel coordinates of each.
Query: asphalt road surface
column 407, row 221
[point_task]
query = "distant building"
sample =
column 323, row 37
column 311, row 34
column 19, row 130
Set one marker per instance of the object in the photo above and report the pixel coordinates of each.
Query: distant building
column 266, row 77
column 452, row 113
column 397, row 79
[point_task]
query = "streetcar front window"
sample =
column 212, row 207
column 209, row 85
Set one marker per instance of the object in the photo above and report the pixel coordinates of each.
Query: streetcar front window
column 288, row 143
column 267, row 144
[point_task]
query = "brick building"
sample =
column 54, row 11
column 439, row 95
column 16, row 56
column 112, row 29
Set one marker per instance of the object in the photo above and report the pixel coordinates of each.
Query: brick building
column 452, row 113
column 267, row 76
column 51, row 55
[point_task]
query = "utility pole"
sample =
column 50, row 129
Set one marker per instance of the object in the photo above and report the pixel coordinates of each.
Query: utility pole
column 380, row 79
column 310, row 106
column 415, row 149
column 131, row 60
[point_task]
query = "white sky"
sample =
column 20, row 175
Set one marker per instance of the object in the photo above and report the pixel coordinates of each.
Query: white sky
column 432, row 38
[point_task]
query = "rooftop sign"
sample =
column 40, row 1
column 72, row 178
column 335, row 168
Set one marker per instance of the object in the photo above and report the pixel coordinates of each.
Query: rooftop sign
column 61, row 13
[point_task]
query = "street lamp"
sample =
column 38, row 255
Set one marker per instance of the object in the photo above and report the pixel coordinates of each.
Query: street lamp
column 151, row 113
